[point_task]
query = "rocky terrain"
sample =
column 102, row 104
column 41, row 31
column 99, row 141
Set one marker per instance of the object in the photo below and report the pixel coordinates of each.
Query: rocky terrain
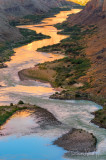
column 7, row 32
column 77, row 140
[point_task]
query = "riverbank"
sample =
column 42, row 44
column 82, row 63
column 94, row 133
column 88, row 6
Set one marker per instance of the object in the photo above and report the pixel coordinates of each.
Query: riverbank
column 69, row 73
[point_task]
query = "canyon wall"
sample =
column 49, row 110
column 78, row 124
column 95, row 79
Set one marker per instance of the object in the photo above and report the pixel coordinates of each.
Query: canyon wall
column 25, row 7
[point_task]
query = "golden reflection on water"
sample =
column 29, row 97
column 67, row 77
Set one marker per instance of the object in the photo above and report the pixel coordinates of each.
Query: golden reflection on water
column 28, row 51
column 17, row 122
column 24, row 113
column 39, row 90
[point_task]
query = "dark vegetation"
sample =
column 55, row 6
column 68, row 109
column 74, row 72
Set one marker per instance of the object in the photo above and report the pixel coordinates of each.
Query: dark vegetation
column 75, row 64
column 100, row 117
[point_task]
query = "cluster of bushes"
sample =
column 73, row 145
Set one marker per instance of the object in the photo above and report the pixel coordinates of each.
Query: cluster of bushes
column 71, row 45
column 69, row 70
column 5, row 51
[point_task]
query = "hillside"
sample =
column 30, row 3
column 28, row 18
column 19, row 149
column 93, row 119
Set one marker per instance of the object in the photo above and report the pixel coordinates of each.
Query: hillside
column 94, row 14
column 7, row 32
column 27, row 7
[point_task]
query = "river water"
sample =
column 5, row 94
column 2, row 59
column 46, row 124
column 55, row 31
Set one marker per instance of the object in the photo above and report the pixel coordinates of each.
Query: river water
column 22, row 138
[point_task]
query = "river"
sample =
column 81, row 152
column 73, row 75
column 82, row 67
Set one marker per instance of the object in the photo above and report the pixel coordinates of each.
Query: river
column 24, row 139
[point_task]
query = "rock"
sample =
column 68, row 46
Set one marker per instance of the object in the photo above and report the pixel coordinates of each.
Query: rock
column 77, row 140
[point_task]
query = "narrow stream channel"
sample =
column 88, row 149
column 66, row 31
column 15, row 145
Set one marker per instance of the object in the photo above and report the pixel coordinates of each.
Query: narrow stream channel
column 21, row 138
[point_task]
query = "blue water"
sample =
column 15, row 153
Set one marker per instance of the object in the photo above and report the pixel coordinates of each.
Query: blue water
column 29, row 148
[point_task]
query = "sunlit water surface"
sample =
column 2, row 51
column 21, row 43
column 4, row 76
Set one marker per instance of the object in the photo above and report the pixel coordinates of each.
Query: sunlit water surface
column 21, row 137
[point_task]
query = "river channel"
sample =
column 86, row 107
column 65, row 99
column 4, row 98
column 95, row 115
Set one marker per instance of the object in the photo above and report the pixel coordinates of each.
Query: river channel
column 21, row 137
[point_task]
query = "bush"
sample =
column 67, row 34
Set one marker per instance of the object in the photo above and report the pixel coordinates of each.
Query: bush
column 20, row 102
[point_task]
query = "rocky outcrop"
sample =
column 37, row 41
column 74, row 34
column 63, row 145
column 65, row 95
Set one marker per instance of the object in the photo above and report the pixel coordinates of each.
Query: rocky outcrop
column 77, row 140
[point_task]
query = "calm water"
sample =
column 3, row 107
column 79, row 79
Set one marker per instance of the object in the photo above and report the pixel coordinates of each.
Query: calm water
column 22, row 138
